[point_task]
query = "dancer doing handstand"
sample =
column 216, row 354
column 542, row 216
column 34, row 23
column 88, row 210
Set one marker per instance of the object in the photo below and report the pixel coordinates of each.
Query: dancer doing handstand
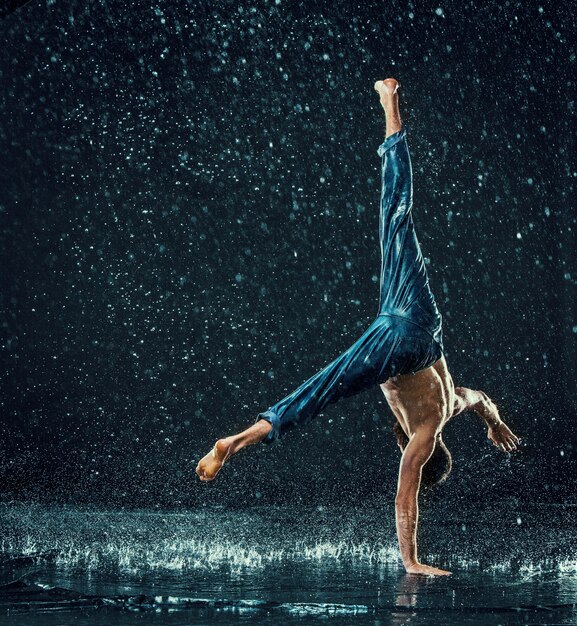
column 402, row 351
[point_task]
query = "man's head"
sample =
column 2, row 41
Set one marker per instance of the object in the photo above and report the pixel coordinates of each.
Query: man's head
column 437, row 469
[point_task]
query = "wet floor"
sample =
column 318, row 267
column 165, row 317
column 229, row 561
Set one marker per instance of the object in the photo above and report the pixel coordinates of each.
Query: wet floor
column 63, row 565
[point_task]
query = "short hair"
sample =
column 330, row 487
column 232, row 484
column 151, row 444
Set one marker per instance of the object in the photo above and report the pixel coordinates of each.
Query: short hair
column 437, row 469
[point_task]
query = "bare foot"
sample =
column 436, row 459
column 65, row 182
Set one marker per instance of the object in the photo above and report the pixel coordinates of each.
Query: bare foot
column 209, row 466
column 387, row 87
column 388, row 91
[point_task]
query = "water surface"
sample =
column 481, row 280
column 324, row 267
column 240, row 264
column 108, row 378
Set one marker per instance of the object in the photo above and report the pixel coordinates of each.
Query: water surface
column 64, row 565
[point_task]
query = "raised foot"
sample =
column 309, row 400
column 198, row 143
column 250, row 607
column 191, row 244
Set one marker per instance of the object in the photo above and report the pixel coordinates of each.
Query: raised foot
column 209, row 466
column 387, row 87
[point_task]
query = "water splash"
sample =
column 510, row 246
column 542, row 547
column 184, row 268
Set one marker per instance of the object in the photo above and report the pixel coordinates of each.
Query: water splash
column 209, row 540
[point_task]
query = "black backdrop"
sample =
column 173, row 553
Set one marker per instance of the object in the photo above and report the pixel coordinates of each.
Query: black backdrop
column 188, row 218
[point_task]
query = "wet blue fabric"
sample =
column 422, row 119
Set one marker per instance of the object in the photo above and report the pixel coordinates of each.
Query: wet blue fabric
column 406, row 335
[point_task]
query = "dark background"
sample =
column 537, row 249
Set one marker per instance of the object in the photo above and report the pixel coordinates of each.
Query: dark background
column 188, row 218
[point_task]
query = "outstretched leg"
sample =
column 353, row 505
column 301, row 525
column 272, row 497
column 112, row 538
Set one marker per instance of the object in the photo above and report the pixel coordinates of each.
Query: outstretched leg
column 375, row 356
column 404, row 283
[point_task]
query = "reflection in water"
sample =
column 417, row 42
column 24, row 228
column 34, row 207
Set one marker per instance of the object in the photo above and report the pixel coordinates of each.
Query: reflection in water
column 407, row 590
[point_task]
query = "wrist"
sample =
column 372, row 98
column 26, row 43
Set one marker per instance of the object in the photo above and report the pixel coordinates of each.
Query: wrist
column 411, row 566
column 488, row 411
column 493, row 421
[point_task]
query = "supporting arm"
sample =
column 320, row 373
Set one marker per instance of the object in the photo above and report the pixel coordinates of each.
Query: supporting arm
column 416, row 454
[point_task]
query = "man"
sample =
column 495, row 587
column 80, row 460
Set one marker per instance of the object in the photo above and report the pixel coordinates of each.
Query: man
column 402, row 351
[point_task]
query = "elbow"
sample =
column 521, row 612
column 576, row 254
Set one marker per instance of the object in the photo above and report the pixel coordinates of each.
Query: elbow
column 481, row 398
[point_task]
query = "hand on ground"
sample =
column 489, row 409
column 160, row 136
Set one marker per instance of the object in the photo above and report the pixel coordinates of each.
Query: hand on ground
column 426, row 570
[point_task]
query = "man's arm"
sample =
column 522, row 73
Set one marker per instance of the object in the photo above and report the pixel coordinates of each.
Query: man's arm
column 479, row 402
column 416, row 454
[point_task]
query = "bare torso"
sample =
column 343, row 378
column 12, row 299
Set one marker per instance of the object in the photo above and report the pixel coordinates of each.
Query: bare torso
column 427, row 396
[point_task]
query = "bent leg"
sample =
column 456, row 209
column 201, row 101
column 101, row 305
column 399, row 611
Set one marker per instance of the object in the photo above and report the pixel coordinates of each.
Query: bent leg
column 379, row 353
column 384, row 350
column 370, row 360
